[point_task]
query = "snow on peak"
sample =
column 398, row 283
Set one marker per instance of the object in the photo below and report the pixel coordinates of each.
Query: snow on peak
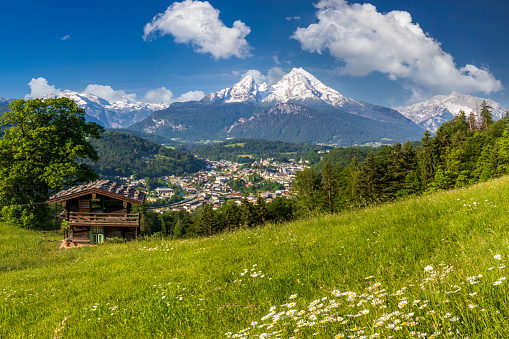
column 298, row 85
column 246, row 90
column 440, row 108
column 301, row 85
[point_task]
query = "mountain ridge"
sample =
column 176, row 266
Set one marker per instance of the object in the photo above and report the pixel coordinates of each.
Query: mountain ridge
column 430, row 114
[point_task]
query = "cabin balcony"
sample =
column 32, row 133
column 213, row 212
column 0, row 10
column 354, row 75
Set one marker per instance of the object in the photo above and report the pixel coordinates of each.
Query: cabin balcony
column 104, row 219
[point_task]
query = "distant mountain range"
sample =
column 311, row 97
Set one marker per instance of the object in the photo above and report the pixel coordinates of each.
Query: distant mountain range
column 299, row 108
column 432, row 113
column 114, row 114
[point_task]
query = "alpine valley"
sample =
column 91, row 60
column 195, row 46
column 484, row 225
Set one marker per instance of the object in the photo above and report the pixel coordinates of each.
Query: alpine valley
column 299, row 108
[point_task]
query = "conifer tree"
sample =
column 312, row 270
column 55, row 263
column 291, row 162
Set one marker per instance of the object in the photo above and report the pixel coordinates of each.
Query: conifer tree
column 370, row 181
column 329, row 187
column 472, row 121
column 486, row 116
column 260, row 210
column 207, row 224
column 306, row 187
column 247, row 213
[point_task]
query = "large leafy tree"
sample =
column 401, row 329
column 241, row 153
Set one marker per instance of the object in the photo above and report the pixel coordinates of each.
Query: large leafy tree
column 40, row 154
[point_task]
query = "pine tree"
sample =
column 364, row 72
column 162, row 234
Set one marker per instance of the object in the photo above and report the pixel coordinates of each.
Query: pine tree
column 486, row 116
column 329, row 187
column 207, row 223
column 472, row 121
column 247, row 213
column 260, row 210
column 370, row 181
column 306, row 187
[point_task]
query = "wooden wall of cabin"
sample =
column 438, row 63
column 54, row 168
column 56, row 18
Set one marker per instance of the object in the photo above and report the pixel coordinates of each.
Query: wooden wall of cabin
column 111, row 205
column 80, row 233
column 129, row 233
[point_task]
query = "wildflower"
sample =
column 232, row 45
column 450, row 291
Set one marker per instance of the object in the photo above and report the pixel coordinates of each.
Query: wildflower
column 293, row 296
column 428, row 269
column 498, row 257
column 402, row 304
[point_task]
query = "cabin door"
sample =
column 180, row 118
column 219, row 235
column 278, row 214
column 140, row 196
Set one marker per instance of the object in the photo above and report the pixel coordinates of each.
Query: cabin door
column 97, row 234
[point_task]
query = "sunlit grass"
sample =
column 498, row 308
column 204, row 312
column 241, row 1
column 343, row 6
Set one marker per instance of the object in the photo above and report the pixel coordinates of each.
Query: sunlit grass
column 362, row 274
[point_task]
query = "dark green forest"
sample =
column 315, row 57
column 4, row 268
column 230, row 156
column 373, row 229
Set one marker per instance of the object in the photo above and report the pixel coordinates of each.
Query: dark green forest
column 464, row 151
column 123, row 154
column 234, row 148
column 206, row 221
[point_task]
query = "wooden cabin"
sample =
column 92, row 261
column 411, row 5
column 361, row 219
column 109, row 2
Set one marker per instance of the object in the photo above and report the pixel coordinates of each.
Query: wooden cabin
column 99, row 211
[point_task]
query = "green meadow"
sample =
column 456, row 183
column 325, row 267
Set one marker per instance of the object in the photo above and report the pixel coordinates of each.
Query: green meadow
column 430, row 267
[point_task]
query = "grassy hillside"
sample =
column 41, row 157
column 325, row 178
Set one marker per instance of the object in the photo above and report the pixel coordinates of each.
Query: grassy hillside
column 361, row 274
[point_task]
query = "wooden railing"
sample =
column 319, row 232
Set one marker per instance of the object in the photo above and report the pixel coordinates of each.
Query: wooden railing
column 56, row 233
column 84, row 218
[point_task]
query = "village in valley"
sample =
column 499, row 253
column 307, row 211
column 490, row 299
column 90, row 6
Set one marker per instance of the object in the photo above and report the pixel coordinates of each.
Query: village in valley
column 220, row 182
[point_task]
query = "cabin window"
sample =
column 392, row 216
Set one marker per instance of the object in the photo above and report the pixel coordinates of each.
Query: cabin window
column 84, row 204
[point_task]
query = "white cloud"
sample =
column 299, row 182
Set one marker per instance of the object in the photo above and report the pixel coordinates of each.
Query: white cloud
column 158, row 95
column 67, row 37
column 190, row 96
column 367, row 41
column 197, row 23
column 162, row 94
column 108, row 93
column 276, row 60
column 290, row 18
column 273, row 75
column 40, row 88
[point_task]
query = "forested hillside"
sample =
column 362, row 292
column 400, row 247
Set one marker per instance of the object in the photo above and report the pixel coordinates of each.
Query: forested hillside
column 235, row 149
column 123, row 154
column 147, row 136
column 464, row 151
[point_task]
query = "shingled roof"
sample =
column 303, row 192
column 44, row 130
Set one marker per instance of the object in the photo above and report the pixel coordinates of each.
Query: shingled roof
column 105, row 187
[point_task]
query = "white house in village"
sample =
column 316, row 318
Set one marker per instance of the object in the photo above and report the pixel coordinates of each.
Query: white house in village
column 165, row 191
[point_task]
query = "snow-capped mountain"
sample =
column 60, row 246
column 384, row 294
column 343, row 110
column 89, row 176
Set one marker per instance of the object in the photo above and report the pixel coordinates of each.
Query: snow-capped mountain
column 298, row 85
column 301, row 87
column 299, row 108
column 432, row 113
column 245, row 90
column 114, row 114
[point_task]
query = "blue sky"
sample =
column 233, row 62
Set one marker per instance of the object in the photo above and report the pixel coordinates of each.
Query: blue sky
column 384, row 52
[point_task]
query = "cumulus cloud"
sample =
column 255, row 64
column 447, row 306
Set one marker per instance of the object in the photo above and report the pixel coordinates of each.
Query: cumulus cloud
column 162, row 94
column 108, row 93
column 197, row 23
column 273, row 75
column 40, row 88
column 158, row 95
column 367, row 41
column 190, row 96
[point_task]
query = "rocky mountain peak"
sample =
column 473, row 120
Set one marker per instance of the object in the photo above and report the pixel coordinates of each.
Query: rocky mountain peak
column 430, row 114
